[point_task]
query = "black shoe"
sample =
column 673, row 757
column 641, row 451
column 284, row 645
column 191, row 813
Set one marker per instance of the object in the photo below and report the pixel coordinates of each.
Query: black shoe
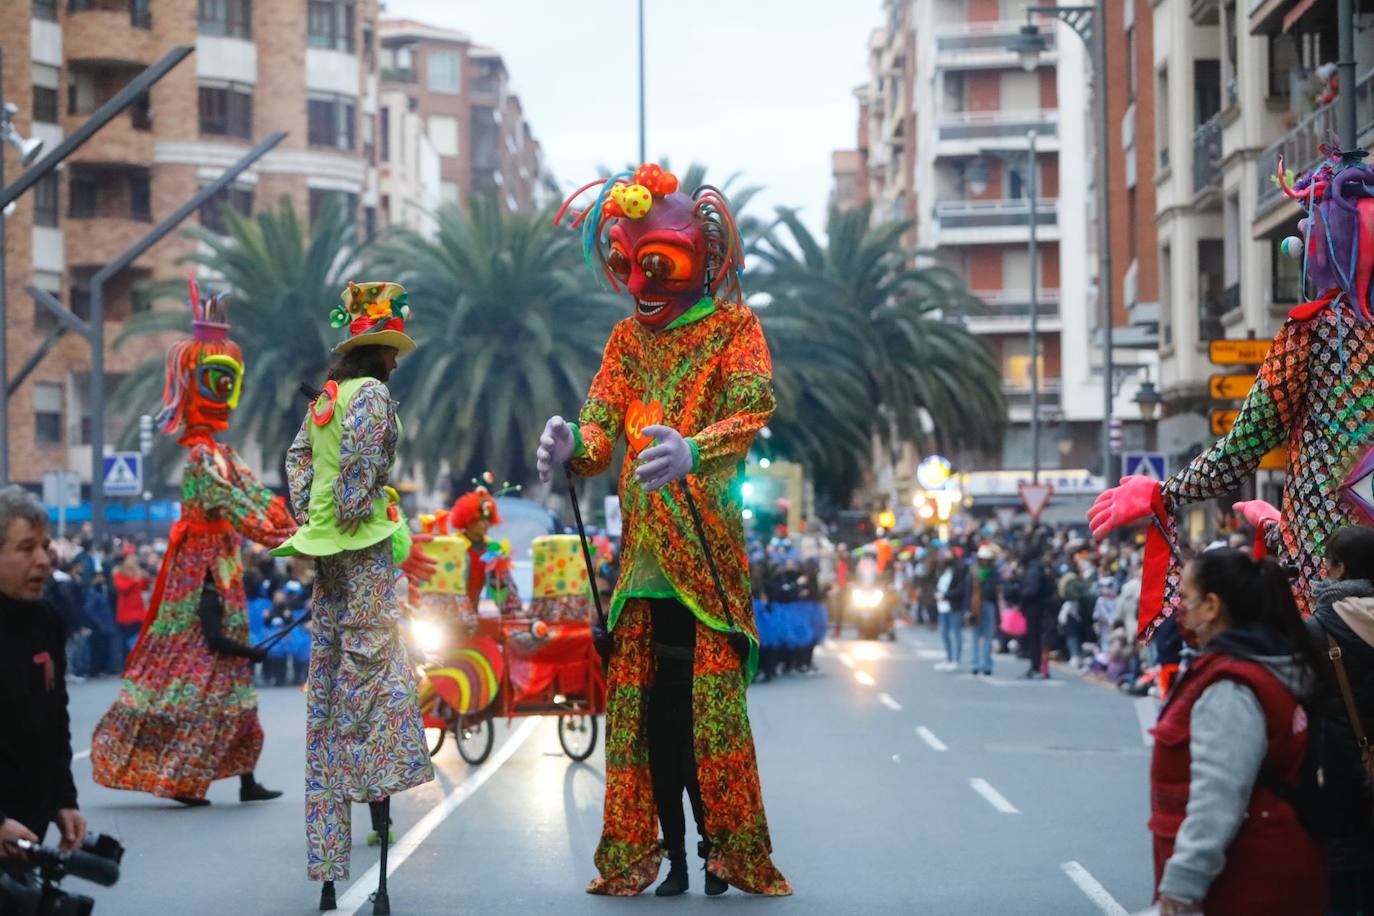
column 257, row 792
column 715, row 885
column 190, row 802
column 676, row 882
column 327, row 901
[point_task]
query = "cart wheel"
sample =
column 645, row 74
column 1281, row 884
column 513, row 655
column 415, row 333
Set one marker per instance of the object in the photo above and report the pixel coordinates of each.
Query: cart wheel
column 577, row 734
column 475, row 737
column 434, row 739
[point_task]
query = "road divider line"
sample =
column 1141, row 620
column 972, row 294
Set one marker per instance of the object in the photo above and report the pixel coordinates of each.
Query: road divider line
column 1146, row 713
column 863, row 677
column 358, row 891
column 1093, row 889
column 846, row 659
column 886, row 699
column 81, row 755
column 994, row 798
column 928, row 737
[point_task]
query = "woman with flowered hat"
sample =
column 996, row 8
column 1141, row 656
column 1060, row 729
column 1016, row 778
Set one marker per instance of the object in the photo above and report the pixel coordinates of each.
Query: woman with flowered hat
column 364, row 737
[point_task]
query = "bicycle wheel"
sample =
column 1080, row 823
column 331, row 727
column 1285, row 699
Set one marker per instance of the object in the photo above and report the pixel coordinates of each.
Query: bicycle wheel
column 577, row 735
column 475, row 737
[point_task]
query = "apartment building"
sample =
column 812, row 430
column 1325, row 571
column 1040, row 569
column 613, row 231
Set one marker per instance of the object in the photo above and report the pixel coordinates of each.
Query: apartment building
column 1237, row 87
column 308, row 69
column 476, row 124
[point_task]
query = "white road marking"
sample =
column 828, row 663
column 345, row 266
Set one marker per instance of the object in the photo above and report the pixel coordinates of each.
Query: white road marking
column 831, row 644
column 931, row 654
column 863, row 677
column 928, row 737
column 358, row 891
column 1147, row 713
column 82, row 755
column 1003, row 682
column 846, row 659
column 1094, row 890
column 886, row 700
column 994, row 798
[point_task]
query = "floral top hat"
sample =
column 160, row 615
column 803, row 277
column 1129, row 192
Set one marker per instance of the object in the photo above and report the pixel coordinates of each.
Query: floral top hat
column 375, row 314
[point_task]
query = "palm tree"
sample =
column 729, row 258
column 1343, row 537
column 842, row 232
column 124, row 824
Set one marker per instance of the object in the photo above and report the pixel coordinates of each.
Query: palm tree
column 512, row 326
column 864, row 341
column 284, row 280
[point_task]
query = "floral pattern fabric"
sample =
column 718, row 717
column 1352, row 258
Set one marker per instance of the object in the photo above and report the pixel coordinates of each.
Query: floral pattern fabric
column 187, row 715
column 713, row 378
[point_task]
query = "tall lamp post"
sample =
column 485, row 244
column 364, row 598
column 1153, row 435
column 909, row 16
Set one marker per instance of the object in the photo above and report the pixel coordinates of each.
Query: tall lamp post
column 1147, row 399
column 1088, row 24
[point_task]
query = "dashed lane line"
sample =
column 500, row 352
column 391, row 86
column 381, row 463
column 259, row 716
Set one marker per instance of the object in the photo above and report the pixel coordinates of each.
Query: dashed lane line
column 846, row 659
column 1146, row 713
column 886, row 699
column 993, row 797
column 863, row 677
column 1093, row 889
column 82, row 755
column 358, row 891
column 929, row 738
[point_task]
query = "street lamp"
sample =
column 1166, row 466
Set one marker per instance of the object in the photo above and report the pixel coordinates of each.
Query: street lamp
column 1147, row 399
column 28, row 149
column 1087, row 23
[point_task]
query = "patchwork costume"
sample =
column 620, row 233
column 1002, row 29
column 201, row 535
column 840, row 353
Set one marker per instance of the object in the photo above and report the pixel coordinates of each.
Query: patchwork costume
column 364, row 738
column 187, row 712
column 1313, row 396
column 692, row 373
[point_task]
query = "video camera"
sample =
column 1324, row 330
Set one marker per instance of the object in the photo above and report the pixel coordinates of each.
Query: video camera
column 29, row 888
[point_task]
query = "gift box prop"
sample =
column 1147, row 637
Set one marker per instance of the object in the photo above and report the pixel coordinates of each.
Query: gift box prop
column 561, row 589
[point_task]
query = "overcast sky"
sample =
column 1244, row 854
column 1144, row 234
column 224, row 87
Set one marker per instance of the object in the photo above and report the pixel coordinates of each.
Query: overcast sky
column 763, row 87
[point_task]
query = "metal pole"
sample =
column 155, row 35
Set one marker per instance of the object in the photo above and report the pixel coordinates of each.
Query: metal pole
column 1104, row 234
column 1345, row 70
column 643, row 157
column 1032, row 190
column 97, row 319
column 4, row 305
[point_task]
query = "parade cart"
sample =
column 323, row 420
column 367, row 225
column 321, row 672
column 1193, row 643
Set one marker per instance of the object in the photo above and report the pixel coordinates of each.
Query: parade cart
column 489, row 665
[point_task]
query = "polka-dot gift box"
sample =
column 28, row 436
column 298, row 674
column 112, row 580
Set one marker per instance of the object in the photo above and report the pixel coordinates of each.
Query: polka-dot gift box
column 450, row 553
column 559, row 568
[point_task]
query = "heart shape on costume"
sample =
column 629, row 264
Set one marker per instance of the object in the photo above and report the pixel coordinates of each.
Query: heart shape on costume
column 637, row 417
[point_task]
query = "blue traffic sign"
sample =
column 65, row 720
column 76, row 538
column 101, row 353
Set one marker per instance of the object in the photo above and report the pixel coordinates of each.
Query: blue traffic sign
column 123, row 474
column 1144, row 464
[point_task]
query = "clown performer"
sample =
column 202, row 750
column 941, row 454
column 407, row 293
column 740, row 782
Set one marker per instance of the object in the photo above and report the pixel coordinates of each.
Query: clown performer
column 1313, row 396
column 473, row 515
column 364, row 737
column 187, row 713
column 688, row 381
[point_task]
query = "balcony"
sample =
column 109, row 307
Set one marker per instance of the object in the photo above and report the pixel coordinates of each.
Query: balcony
column 1009, row 310
column 1300, row 146
column 110, row 33
column 987, row 221
column 1204, row 12
column 1017, row 393
column 997, row 125
column 1207, row 157
column 399, row 75
column 123, row 141
column 974, row 44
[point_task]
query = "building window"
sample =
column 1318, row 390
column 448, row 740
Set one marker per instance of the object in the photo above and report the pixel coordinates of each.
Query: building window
column 47, row 412
column 230, row 18
column 212, row 211
column 330, row 24
column 386, row 134
column 51, row 283
column 140, row 198
column 1130, row 65
column 448, row 192
column 1206, row 90
column 45, row 201
column 443, row 133
column 1286, row 276
column 1162, row 103
column 45, row 97
column 1283, row 62
column 227, row 111
column 444, row 71
column 332, row 122
column 321, row 198
column 45, row 9
column 82, row 198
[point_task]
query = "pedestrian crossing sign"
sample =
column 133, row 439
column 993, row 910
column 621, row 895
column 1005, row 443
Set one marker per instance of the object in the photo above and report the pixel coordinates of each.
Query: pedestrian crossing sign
column 1144, row 464
column 123, row 474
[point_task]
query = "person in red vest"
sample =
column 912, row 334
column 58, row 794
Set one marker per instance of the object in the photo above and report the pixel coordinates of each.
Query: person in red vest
column 1229, row 749
column 130, row 580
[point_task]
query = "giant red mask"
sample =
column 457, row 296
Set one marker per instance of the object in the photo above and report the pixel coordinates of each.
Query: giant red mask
column 204, row 373
column 661, row 260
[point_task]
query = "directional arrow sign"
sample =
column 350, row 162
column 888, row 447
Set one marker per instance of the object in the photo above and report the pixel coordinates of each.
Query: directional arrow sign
column 1230, row 387
column 1222, row 421
column 1036, row 496
column 1238, row 352
column 1276, row 460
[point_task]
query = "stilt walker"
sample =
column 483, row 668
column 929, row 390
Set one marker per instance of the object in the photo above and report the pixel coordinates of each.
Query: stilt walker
column 688, row 381
column 364, row 737
column 187, row 713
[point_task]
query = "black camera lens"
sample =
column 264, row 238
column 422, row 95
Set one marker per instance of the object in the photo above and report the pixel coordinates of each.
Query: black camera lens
column 103, row 845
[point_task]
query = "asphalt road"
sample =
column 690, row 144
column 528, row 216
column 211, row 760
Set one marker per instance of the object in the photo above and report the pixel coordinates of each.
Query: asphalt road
column 891, row 788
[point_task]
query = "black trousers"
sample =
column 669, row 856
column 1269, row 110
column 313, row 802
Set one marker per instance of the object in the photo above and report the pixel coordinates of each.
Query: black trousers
column 672, row 758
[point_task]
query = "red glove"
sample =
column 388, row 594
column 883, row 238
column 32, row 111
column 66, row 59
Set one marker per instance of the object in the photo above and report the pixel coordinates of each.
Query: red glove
column 1257, row 512
column 419, row 567
column 1122, row 505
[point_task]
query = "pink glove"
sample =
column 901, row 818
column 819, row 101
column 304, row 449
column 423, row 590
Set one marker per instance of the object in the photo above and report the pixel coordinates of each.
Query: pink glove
column 1122, row 505
column 1257, row 512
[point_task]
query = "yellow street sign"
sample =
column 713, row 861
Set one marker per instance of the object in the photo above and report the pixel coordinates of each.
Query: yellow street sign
column 1238, row 352
column 1230, row 387
column 1222, row 421
column 1276, row 460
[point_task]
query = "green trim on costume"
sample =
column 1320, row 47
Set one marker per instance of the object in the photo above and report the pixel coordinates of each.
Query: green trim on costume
column 705, row 307
column 696, row 454
column 578, row 449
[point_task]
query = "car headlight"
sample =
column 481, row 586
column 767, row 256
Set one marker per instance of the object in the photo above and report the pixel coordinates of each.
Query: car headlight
column 428, row 635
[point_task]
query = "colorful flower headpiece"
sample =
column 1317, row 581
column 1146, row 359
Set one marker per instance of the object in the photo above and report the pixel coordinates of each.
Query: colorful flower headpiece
column 631, row 195
column 375, row 313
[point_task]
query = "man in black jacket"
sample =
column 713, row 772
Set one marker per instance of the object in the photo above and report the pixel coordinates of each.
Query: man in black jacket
column 36, row 786
column 1037, row 596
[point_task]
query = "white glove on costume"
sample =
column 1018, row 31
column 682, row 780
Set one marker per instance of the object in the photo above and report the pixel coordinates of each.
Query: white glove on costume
column 555, row 447
column 669, row 459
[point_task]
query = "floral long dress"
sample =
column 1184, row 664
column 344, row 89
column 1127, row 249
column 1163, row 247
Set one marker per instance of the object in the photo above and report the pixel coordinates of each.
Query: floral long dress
column 187, row 715
column 365, row 740
column 709, row 376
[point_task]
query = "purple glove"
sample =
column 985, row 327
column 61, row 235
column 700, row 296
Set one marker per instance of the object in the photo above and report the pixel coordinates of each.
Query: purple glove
column 668, row 459
column 555, row 447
